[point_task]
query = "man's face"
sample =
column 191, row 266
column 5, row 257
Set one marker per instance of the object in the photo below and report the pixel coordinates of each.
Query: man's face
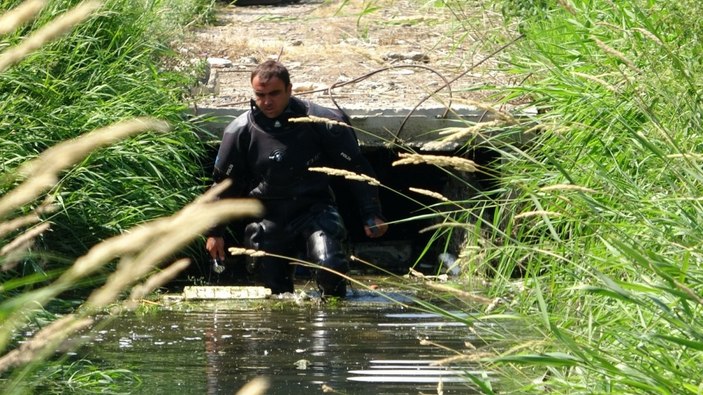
column 271, row 96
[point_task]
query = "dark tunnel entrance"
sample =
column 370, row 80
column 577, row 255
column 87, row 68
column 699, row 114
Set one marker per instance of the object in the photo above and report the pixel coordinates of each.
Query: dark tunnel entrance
column 411, row 214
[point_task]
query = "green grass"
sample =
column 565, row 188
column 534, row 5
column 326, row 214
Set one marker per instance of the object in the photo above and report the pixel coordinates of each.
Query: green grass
column 104, row 71
column 84, row 376
column 612, row 269
column 599, row 213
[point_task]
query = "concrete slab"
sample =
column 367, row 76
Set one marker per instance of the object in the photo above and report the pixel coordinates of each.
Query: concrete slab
column 226, row 293
column 387, row 127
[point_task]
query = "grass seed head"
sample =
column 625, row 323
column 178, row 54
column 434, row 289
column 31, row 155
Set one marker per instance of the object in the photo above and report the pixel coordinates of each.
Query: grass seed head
column 567, row 187
column 457, row 163
column 346, row 174
column 432, row 194
column 53, row 30
column 20, row 15
column 314, row 119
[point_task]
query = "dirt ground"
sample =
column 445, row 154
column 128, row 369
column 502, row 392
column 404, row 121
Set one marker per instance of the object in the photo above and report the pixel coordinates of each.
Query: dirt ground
column 387, row 53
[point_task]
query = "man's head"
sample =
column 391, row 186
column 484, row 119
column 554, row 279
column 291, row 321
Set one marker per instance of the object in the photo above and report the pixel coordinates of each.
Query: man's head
column 272, row 88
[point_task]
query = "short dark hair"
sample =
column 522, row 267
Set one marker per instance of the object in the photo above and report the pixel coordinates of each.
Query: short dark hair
column 270, row 69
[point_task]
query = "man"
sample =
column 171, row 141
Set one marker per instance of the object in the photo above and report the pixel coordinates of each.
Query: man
column 267, row 157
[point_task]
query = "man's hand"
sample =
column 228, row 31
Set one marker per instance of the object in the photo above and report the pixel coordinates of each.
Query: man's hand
column 375, row 227
column 216, row 247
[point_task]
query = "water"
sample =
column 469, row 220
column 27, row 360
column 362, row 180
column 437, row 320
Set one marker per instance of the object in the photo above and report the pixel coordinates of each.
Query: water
column 352, row 348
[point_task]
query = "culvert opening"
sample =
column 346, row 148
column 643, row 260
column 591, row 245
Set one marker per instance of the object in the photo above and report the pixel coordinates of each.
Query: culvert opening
column 411, row 240
column 414, row 216
column 408, row 242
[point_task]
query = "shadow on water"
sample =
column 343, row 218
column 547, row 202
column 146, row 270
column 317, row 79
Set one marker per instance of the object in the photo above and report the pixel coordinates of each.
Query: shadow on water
column 363, row 345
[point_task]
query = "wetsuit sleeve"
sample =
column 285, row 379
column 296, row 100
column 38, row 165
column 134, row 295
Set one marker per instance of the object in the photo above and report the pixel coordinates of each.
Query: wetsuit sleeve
column 344, row 151
column 231, row 163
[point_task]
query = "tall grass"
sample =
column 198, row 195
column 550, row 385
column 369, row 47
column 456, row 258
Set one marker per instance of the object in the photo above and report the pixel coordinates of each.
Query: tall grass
column 67, row 68
column 601, row 212
column 100, row 72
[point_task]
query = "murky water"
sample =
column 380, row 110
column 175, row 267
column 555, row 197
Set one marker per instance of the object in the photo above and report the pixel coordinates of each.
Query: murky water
column 353, row 348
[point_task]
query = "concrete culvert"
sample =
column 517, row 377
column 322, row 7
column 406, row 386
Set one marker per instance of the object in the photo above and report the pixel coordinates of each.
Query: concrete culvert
column 416, row 198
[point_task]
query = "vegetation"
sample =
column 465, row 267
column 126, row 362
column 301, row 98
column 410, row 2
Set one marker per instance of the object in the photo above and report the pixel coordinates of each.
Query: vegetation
column 601, row 211
column 102, row 71
column 81, row 158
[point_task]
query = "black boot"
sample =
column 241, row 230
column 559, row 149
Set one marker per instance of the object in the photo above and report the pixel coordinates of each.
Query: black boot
column 331, row 285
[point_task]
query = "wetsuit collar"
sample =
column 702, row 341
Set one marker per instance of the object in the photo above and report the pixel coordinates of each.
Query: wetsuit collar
column 296, row 108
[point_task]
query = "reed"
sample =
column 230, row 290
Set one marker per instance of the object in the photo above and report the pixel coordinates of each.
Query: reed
column 599, row 212
column 96, row 73
column 58, row 27
column 98, row 78
column 346, row 174
column 140, row 252
column 23, row 13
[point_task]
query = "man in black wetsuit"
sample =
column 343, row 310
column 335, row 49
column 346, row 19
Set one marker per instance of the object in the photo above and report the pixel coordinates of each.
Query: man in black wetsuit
column 267, row 157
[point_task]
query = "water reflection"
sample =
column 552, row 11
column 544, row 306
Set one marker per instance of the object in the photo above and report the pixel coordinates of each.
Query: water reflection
column 351, row 348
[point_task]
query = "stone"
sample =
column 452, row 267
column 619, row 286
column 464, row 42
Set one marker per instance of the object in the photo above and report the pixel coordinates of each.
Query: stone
column 225, row 292
column 219, row 63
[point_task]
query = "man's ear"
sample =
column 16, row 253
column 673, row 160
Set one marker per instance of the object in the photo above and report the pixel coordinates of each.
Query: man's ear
column 289, row 89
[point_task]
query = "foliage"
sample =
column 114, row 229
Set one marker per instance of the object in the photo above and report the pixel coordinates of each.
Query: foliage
column 85, row 376
column 525, row 9
column 103, row 72
column 601, row 210
column 72, row 141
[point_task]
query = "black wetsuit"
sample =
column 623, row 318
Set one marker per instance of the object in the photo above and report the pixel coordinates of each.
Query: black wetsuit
column 268, row 159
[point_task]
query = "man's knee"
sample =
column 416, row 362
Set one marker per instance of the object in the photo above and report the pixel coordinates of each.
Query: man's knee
column 254, row 235
column 327, row 251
